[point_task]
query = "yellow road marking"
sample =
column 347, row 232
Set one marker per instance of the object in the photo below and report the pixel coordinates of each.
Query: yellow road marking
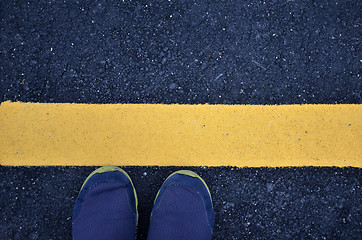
column 40, row 134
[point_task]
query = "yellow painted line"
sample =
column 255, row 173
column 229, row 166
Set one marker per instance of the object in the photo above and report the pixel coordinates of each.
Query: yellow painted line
column 40, row 134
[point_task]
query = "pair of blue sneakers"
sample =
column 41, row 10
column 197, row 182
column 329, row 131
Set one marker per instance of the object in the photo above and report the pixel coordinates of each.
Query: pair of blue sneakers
column 106, row 207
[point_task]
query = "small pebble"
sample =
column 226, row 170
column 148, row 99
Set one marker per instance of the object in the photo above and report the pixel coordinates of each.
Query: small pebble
column 172, row 86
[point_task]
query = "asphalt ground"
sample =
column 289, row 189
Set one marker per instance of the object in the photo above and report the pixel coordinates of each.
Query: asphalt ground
column 249, row 203
column 249, row 52
column 223, row 52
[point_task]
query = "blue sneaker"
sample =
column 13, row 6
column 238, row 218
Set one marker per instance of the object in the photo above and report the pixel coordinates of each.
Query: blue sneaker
column 106, row 207
column 182, row 209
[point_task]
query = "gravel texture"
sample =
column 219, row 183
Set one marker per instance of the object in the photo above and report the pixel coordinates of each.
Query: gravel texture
column 249, row 203
column 222, row 52
column 233, row 52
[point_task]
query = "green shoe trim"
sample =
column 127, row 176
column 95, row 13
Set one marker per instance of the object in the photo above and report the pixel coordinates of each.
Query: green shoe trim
column 187, row 173
column 113, row 169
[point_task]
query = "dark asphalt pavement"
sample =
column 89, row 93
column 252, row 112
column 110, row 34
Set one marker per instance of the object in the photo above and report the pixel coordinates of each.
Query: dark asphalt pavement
column 247, row 52
column 250, row 203
column 222, row 52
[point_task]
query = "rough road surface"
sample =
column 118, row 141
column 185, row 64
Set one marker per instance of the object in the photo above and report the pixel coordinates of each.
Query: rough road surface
column 187, row 52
